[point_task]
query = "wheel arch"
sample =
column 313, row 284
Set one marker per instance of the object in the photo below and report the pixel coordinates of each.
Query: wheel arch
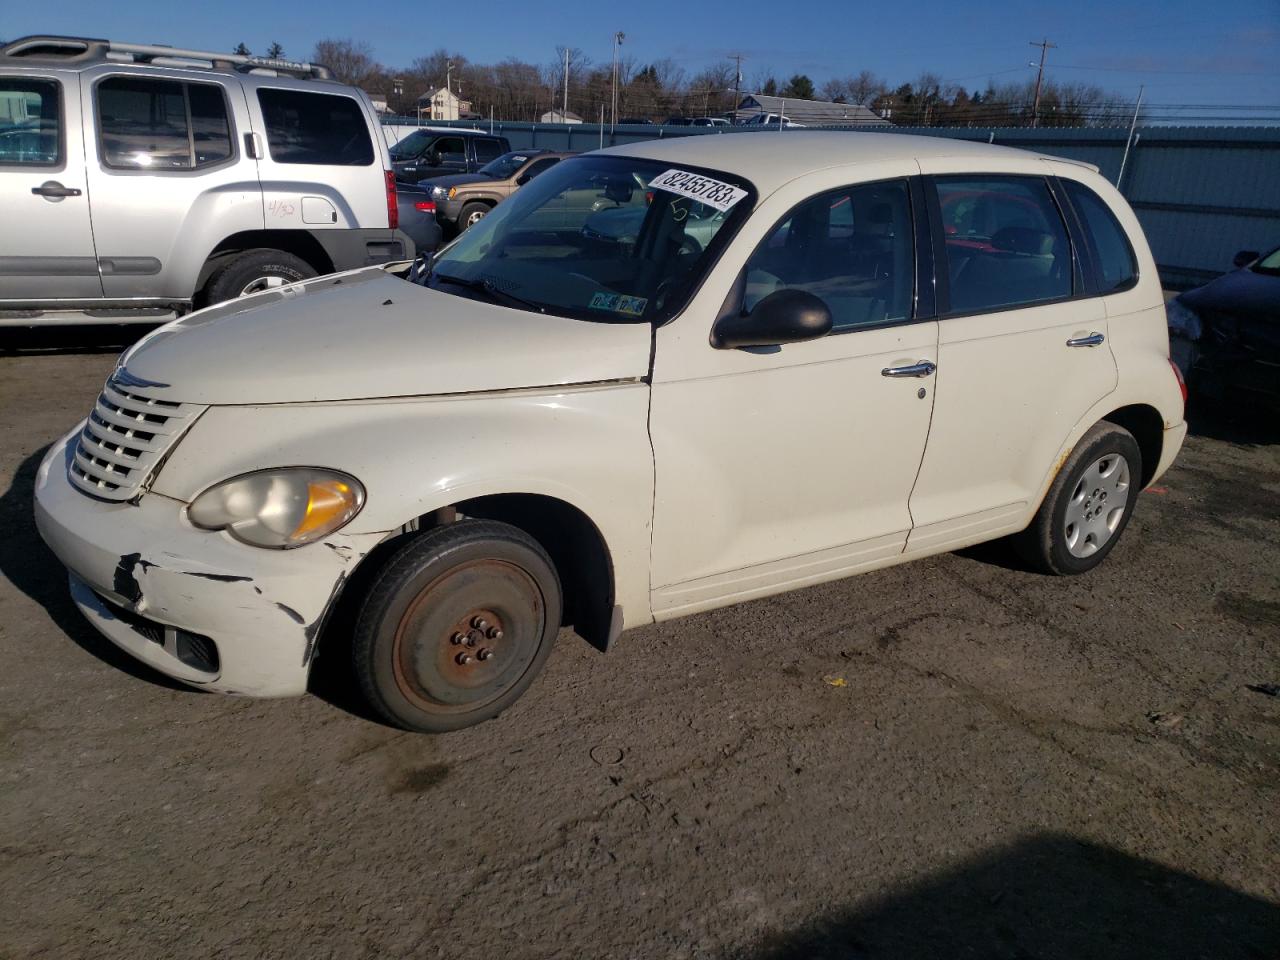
column 1147, row 426
column 300, row 243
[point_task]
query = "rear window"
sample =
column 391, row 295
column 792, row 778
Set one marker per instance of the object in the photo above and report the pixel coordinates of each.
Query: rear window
column 29, row 122
column 1116, row 262
column 148, row 124
column 315, row 128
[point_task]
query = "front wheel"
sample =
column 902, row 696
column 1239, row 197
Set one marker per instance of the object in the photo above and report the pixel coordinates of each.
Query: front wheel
column 1088, row 504
column 471, row 214
column 456, row 626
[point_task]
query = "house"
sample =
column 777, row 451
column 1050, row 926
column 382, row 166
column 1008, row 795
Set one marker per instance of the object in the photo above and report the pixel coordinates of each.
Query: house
column 560, row 116
column 810, row 113
column 441, row 103
column 379, row 101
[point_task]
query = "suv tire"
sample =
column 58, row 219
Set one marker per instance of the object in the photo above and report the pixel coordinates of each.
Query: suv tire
column 456, row 626
column 254, row 270
column 471, row 214
column 1088, row 504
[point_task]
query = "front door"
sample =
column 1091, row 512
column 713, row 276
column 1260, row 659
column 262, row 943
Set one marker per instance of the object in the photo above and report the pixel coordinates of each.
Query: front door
column 46, row 244
column 778, row 467
column 1022, row 356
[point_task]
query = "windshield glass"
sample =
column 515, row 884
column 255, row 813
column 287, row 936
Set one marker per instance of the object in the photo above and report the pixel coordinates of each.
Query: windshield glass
column 412, row 146
column 611, row 239
column 1269, row 264
column 505, row 165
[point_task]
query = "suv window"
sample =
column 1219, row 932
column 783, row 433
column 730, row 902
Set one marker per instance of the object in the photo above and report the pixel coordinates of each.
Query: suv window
column 148, row 124
column 852, row 247
column 320, row 128
column 29, row 122
column 448, row 150
column 1006, row 242
column 540, row 166
column 487, row 149
column 1111, row 248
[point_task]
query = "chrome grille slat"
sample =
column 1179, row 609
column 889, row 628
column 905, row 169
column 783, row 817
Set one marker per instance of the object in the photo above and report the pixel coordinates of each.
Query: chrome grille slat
column 124, row 438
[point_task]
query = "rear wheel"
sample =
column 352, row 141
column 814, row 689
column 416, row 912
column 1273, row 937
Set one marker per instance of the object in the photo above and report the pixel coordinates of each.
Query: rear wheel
column 1087, row 506
column 456, row 626
column 254, row 271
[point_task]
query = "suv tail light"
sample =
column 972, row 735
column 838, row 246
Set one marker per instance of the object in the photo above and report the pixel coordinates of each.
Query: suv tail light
column 426, row 206
column 393, row 211
column 1182, row 383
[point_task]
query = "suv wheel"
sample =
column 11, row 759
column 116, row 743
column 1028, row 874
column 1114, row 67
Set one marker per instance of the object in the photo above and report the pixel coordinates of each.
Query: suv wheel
column 1087, row 506
column 254, row 271
column 456, row 626
column 472, row 214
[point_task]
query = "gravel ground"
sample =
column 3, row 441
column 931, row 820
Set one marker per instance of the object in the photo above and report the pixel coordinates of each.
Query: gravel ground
column 953, row 758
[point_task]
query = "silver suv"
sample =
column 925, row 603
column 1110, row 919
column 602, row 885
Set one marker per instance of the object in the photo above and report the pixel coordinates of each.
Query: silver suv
column 148, row 181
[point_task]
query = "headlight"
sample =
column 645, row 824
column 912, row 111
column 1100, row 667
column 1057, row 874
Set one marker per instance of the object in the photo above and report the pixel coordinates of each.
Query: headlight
column 438, row 193
column 281, row 508
column 1183, row 321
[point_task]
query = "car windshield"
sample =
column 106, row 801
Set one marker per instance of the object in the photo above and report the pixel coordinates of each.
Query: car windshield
column 1269, row 264
column 412, row 146
column 504, row 166
column 609, row 239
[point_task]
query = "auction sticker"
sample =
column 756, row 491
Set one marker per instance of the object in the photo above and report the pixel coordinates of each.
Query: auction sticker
column 619, row 303
column 695, row 186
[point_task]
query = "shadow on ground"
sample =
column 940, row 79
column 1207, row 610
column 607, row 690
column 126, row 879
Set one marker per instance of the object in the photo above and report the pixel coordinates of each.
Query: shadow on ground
column 70, row 339
column 35, row 571
column 1232, row 423
column 1048, row 897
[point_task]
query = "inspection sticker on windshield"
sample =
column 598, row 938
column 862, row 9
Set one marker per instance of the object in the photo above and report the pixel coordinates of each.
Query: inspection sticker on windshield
column 618, row 303
column 695, row 186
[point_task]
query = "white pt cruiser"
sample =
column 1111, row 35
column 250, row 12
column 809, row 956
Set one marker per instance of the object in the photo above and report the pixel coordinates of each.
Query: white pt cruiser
column 804, row 356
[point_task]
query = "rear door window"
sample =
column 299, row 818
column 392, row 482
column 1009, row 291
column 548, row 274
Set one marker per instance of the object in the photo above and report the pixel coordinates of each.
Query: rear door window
column 152, row 124
column 315, row 128
column 487, row 149
column 1116, row 262
column 29, row 122
column 1006, row 243
column 540, row 166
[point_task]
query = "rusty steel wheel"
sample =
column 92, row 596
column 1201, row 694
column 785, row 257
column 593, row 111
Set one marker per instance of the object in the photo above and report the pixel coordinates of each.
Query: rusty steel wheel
column 457, row 625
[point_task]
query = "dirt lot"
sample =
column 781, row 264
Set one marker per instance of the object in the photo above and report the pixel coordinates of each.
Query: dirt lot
column 952, row 758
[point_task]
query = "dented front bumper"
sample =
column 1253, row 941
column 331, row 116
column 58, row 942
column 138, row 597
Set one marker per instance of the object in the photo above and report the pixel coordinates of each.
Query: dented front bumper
column 159, row 588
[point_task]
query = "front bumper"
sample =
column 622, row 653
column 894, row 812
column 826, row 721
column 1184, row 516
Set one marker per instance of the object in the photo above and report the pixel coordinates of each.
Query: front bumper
column 148, row 580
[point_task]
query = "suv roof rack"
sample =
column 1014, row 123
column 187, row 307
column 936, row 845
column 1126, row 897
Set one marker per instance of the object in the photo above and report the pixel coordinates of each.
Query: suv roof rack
column 81, row 49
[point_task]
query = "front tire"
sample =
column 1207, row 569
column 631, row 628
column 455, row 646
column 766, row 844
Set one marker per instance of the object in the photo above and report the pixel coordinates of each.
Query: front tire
column 456, row 626
column 1088, row 504
column 254, row 271
column 471, row 214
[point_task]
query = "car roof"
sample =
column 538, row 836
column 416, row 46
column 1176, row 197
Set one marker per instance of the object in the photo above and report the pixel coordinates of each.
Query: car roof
column 769, row 159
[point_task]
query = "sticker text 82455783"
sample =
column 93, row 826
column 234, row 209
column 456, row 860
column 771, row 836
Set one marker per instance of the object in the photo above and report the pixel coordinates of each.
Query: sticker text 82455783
column 695, row 186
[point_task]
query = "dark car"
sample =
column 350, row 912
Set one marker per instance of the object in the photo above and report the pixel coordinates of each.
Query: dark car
column 635, row 120
column 1225, row 336
column 418, row 217
column 437, row 151
column 464, row 198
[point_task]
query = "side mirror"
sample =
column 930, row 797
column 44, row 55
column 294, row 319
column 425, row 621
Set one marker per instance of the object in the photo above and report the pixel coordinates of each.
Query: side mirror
column 784, row 316
column 1244, row 258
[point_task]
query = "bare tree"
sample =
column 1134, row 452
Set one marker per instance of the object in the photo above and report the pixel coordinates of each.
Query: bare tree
column 350, row 60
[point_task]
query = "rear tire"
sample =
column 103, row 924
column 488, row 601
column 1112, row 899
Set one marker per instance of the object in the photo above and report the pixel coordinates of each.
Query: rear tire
column 456, row 626
column 1088, row 504
column 256, row 270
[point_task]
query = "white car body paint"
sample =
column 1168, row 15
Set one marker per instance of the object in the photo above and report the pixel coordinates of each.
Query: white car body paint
column 712, row 475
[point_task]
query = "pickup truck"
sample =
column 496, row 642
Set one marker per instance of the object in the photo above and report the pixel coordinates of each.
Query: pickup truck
column 440, row 151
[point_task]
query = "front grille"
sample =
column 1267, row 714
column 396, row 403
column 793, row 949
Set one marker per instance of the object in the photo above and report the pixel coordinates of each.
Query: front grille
column 123, row 440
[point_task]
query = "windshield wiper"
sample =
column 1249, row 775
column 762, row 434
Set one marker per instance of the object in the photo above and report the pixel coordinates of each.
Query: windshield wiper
column 491, row 289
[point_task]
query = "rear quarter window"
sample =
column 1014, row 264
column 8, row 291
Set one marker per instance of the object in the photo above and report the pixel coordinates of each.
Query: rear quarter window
column 1117, row 264
column 315, row 128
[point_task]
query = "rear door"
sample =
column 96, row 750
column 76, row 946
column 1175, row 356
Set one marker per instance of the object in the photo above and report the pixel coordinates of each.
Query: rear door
column 164, row 157
column 485, row 149
column 46, row 243
column 1022, row 356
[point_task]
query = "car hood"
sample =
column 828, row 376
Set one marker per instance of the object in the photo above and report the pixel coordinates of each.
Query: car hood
column 1241, row 293
column 452, row 180
column 369, row 334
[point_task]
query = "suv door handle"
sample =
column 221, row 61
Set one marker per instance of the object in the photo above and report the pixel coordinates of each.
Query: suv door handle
column 1092, row 340
column 52, row 188
column 924, row 368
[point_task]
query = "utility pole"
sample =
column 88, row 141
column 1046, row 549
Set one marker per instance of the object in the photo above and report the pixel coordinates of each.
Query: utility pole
column 564, row 111
column 737, row 86
column 617, row 45
column 1044, row 46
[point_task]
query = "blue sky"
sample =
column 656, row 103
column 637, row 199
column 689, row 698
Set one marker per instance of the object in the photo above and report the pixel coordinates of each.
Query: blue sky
column 1185, row 51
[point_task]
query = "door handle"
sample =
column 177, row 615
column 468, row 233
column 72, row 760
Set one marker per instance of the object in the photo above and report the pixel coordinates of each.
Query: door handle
column 55, row 190
column 924, row 368
column 253, row 146
column 1092, row 340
